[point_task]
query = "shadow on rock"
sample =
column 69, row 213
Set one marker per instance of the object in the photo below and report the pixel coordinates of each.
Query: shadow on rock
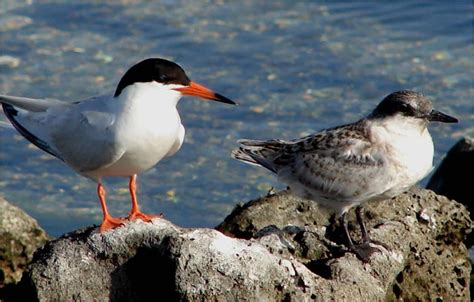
column 291, row 251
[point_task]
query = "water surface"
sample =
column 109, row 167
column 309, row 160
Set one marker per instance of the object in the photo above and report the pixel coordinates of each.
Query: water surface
column 294, row 67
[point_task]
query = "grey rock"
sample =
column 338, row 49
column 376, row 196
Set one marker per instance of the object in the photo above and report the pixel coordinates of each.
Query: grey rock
column 424, row 232
column 20, row 236
column 291, row 254
column 454, row 176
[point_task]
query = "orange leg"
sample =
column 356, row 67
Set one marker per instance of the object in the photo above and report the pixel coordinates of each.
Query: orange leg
column 135, row 212
column 108, row 222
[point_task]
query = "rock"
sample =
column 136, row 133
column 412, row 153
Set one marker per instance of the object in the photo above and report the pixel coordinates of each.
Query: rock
column 454, row 177
column 20, row 236
column 145, row 261
column 290, row 254
column 424, row 233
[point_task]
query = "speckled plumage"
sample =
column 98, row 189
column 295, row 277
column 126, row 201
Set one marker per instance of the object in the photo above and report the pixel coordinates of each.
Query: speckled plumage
column 375, row 158
column 323, row 166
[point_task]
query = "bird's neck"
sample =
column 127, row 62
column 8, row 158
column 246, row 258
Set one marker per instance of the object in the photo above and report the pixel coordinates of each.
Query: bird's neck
column 400, row 125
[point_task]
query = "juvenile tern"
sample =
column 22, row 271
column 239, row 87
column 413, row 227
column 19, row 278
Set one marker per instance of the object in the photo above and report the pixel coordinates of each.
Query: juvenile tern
column 114, row 135
column 373, row 159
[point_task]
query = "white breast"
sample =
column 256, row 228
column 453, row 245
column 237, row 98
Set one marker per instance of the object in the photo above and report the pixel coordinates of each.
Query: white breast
column 409, row 150
column 148, row 128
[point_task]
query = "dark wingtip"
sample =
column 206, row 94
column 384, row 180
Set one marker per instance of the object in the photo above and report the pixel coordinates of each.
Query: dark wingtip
column 223, row 99
column 9, row 110
column 11, row 113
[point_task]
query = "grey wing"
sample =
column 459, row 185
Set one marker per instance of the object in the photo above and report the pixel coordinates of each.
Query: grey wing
column 85, row 135
column 22, row 113
column 36, row 105
column 78, row 133
column 351, row 170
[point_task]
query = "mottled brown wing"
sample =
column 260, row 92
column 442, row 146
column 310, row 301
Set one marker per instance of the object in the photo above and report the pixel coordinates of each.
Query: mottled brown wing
column 339, row 163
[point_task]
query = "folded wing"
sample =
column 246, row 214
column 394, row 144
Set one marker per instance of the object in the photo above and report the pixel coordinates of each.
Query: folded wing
column 79, row 133
column 338, row 163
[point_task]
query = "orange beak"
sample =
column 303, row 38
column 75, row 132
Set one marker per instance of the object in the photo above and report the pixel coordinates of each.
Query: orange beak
column 196, row 89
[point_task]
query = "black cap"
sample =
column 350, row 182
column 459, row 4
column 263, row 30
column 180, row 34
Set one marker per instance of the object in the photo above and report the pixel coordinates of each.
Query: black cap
column 153, row 69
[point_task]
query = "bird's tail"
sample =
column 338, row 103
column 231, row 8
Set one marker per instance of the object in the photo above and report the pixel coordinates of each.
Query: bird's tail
column 259, row 153
column 35, row 105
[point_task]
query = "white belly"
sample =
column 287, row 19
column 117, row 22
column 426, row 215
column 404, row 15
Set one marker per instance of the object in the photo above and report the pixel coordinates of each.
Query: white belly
column 145, row 149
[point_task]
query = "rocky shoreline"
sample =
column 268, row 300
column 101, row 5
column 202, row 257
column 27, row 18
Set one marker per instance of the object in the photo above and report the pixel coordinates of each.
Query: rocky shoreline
column 274, row 248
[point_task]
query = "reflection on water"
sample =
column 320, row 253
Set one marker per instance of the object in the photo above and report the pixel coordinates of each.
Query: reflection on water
column 294, row 68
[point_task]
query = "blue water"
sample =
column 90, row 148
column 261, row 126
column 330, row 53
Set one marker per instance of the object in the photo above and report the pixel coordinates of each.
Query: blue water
column 294, row 67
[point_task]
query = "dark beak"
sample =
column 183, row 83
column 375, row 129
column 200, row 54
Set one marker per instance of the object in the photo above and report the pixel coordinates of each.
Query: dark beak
column 437, row 116
column 201, row 91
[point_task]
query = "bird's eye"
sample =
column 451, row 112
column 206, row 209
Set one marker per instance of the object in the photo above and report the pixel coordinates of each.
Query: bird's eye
column 405, row 108
column 163, row 78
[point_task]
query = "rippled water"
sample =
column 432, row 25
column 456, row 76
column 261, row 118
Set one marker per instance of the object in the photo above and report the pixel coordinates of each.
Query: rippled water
column 294, row 67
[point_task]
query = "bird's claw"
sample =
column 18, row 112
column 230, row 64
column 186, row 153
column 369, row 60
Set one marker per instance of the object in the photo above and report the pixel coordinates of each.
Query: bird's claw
column 145, row 217
column 364, row 250
column 110, row 223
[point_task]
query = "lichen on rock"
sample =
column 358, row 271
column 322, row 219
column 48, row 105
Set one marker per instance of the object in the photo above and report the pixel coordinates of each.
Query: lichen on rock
column 20, row 236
